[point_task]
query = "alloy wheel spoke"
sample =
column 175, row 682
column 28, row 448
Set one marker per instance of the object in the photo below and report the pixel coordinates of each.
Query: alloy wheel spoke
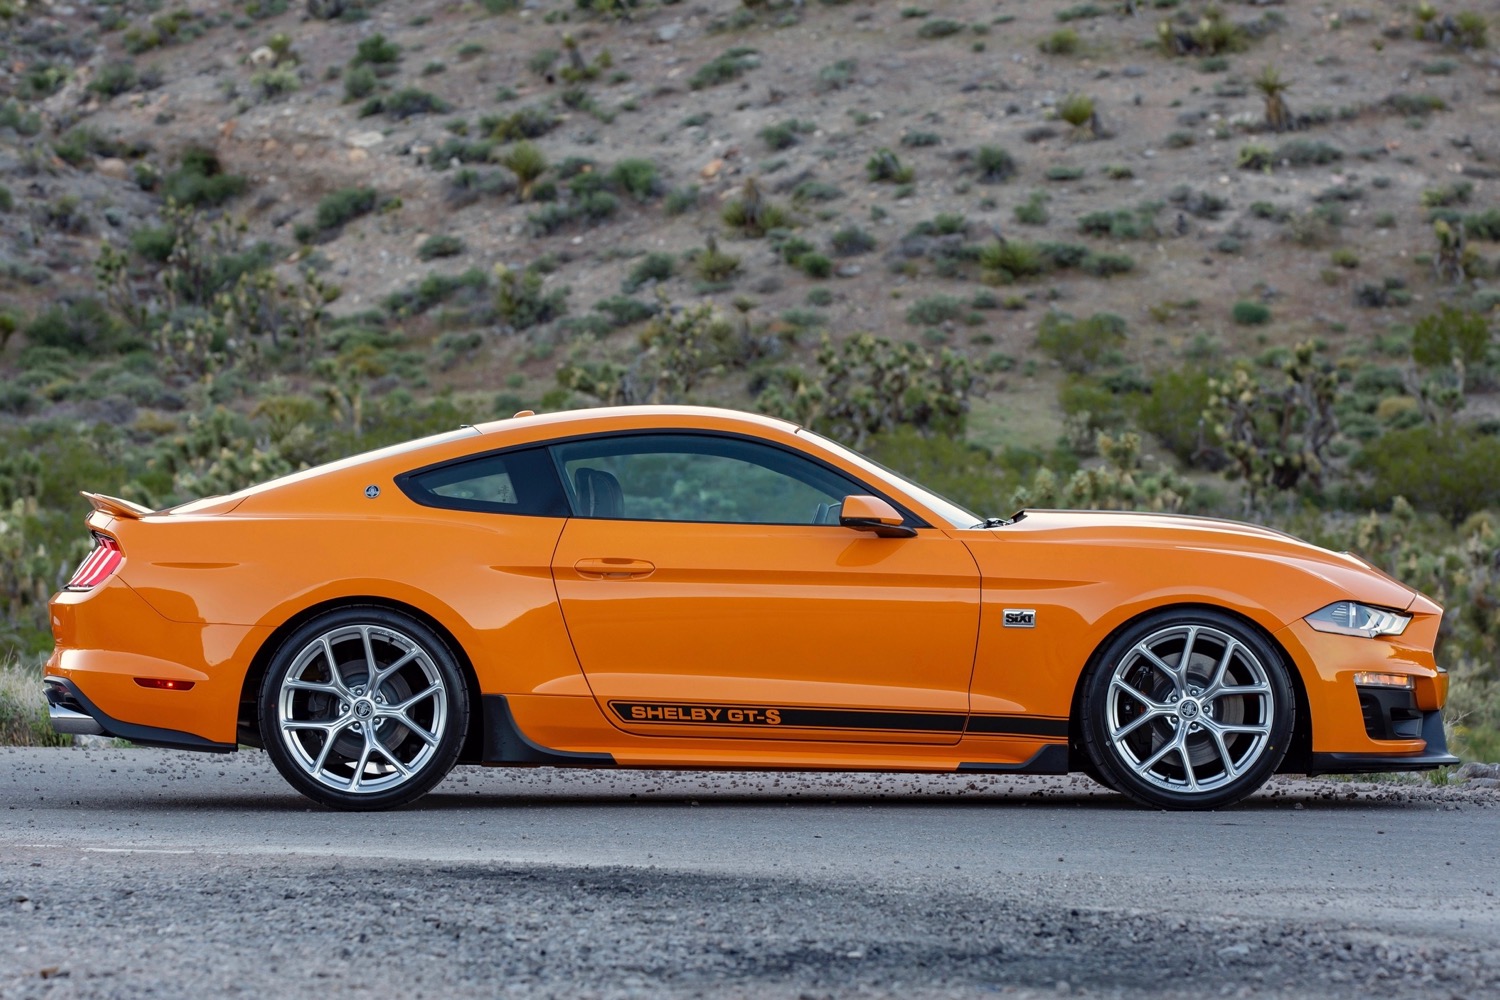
column 379, row 674
column 416, row 699
column 385, row 752
column 1257, row 730
column 319, row 686
column 1242, row 689
column 1135, row 724
column 1215, row 685
column 328, row 742
column 1217, row 734
column 1150, row 762
column 322, row 725
column 1187, row 765
column 359, row 769
column 333, row 667
column 429, row 738
column 1158, row 663
column 1185, row 657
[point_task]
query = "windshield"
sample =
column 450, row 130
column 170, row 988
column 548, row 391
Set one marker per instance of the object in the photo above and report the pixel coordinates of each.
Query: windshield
column 956, row 516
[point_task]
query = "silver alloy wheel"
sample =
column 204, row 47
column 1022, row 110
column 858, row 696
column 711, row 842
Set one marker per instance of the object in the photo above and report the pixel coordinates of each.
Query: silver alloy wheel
column 362, row 709
column 1189, row 709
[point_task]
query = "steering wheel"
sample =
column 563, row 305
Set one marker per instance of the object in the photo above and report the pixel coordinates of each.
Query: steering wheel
column 820, row 516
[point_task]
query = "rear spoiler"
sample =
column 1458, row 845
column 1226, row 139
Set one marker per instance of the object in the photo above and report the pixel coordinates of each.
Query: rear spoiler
column 115, row 506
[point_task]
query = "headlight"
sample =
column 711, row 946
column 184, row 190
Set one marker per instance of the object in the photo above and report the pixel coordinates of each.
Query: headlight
column 1353, row 618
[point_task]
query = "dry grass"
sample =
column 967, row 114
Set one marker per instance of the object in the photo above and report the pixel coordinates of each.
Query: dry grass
column 23, row 708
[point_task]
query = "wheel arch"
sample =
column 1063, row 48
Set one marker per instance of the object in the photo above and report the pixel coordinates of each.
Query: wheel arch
column 1298, row 751
column 248, row 716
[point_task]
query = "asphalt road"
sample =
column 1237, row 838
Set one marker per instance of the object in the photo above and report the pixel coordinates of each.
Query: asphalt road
column 127, row 873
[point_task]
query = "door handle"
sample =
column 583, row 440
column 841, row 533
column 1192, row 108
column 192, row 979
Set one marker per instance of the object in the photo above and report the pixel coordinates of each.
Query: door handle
column 614, row 569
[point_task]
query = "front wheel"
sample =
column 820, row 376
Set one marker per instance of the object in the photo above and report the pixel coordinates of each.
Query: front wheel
column 363, row 708
column 1187, row 709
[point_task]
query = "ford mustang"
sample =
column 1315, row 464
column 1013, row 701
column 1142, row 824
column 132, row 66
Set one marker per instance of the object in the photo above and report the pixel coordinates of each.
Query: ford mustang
column 679, row 587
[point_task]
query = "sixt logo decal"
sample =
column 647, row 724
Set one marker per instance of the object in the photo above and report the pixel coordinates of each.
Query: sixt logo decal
column 1020, row 617
column 701, row 715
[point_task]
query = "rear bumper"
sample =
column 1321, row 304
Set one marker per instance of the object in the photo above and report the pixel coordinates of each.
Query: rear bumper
column 73, row 713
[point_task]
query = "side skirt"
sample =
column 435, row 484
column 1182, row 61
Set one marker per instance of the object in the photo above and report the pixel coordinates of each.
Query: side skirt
column 1048, row 760
column 504, row 743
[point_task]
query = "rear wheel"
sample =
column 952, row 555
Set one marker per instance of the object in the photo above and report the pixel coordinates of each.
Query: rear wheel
column 363, row 708
column 1187, row 709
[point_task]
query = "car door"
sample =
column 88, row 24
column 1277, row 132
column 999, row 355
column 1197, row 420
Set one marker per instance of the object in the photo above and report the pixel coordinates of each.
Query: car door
column 709, row 591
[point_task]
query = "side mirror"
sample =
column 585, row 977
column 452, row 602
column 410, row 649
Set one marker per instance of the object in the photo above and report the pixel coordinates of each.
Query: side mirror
column 873, row 514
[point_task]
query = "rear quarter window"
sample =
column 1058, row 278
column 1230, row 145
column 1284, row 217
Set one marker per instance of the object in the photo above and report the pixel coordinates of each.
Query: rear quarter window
column 516, row 482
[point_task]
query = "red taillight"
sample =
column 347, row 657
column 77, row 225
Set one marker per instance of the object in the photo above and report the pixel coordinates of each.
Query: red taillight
column 99, row 566
column 165, row 684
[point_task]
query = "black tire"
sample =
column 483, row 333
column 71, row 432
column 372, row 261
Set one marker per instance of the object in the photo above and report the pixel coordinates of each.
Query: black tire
column 1198, row 738
column 349, row 744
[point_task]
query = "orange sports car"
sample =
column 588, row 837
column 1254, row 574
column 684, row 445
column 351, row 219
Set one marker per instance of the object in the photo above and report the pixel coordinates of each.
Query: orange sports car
column 676, row 587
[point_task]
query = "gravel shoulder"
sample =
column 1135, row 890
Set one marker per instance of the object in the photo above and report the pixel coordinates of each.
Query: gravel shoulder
column 133, row 873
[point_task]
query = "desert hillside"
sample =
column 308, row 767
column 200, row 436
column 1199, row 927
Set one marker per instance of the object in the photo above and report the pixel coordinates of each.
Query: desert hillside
column 1237, row 258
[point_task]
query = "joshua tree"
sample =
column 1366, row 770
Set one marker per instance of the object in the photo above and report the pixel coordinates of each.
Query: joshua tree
column 1271, row 87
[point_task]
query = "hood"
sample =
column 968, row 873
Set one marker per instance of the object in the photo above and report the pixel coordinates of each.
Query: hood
column 1347, row 575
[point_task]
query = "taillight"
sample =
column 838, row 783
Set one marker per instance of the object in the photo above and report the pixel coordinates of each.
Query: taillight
column 99, row 566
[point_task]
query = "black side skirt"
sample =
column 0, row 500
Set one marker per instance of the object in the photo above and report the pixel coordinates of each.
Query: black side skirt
column 504, row 743
column 1048, row 760
column 61, row 691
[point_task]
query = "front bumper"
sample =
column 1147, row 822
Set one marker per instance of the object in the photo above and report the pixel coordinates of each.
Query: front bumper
column 1433, row 756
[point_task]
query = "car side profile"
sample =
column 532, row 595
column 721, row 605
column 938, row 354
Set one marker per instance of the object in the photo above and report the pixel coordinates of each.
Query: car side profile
column 682, row 587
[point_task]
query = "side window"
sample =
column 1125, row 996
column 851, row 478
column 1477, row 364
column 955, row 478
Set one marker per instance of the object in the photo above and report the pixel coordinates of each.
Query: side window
column 683, row 477
column 516, row 482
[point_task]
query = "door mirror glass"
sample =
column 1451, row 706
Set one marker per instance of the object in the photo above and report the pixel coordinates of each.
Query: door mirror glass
column 873, row 514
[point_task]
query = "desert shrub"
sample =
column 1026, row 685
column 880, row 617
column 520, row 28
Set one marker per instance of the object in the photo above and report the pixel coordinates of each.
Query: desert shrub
column 1062, row 42
column 1033, row 211
column 712, row 264
column 359, row 83
column 919, row 139
column 81, row 326
column 523, row 303
column 1211, row 35
column 1400, row 464
column 1005, row 261
column 781, row 135
column 637, row 178
column 114, row 78
column 434, row 290
column 441, row 245
column 1076, row 109
column 1450, row 334
column 1173, row 411
column 623, row 310
column 1307, row 153
column 681, row 200
column 1106, row 265
column 344, row 206
column 816, row 191
column 838, row 75
column 1078, row 345
column 1120, row 224
column 377, row 50
column 652, row 267
column 994, row 164
column 199, row 180
column 939, row 28
column 7, row 201
column 815, row 265
column 1415, row 105
column 407, row 102
column 730, row 66
column 885, row 167
column 752, row 213
column 851, row 241
column 1254, row 156
column 526, row 161
column 466, row 186
column 1079, row 12
column 13, row 115
column 1247, row 313
column 935, row 310
column 523, row 123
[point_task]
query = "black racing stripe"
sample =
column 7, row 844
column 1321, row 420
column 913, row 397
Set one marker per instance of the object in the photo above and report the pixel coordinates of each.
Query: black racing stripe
column 674, row 714
column 1018, row 725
